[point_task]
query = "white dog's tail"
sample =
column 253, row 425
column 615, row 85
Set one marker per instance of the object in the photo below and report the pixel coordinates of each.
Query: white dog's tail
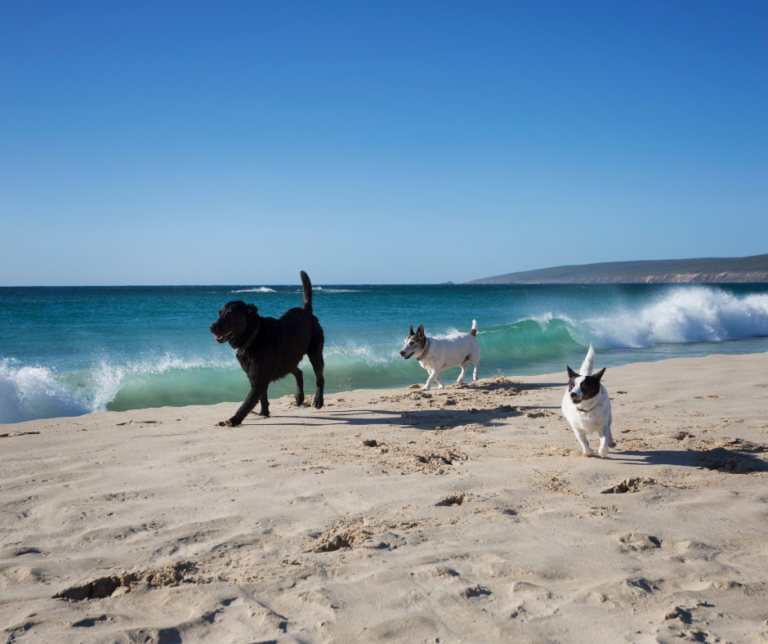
column 474, row 328
column 589, row 363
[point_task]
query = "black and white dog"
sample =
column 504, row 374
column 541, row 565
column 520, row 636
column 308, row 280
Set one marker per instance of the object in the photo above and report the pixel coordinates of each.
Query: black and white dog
column 438, row 354
column 269, row 349
column 587, row 406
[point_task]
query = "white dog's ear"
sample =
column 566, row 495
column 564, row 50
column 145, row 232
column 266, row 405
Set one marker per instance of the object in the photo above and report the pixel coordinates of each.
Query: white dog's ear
column 599, row 374
column 420, row 330
column 571, row 373
column 411, row 331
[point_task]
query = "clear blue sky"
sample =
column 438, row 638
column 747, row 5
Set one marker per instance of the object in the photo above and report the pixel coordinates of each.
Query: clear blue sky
column 376, row 142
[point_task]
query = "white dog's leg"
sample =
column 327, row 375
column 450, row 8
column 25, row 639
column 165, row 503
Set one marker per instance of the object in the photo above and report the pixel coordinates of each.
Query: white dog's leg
column 430, row 380
column 461, row 375
column 604, row 440
column 474, row 376
column 440, row 384
column 582, row 438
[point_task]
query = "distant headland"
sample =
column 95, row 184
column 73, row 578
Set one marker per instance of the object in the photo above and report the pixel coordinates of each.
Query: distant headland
column 713, row 270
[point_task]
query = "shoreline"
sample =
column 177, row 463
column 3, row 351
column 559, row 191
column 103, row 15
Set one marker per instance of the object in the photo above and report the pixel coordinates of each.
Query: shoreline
column 464, row 514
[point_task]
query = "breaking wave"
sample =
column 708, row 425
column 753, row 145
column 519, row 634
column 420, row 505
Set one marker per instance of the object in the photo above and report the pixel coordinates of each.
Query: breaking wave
column 257, row 289
column 693, row 314
column 27, row 393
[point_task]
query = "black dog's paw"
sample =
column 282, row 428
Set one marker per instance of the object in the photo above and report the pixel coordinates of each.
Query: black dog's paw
column 232, row 422
column 318, row 402
column 299, row 400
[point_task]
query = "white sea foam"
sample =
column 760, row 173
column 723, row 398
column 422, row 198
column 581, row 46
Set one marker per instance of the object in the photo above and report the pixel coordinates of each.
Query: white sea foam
column 698, row 314
column 372, row 356
column 27, row 393
column 257, row 289
column 106, row 380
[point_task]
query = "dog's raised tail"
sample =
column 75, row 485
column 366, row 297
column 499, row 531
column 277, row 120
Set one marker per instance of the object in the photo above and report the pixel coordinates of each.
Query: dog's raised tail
column 589, row 363
column 306, row 302
column 474, row 328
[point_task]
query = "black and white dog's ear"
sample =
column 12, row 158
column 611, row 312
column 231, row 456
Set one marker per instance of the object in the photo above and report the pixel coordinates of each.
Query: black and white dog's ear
column 571, row 373
column 411, row 331
column 420, row 330
column 251, row 310
column 599, row 374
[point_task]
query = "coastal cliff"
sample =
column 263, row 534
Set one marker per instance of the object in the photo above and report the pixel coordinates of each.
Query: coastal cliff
column 728, row 270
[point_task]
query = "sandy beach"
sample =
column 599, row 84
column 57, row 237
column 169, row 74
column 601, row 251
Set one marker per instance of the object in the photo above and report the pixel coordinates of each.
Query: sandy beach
column 460, row 515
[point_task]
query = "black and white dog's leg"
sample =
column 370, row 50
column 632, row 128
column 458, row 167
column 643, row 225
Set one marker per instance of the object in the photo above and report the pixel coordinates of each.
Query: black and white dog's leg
column 477, row 366
column 432, row 376
column 439, row 380
column 461, row 375
column 582, row 438
column 254, row 395
column 611, row 442
column 299, row 396
column 605, row 439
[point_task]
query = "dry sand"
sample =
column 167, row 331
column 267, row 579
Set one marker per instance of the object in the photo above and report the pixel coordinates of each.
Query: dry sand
column 462, row 515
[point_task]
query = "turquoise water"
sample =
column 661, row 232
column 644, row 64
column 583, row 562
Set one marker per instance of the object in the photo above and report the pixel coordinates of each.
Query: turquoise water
column 70, row 351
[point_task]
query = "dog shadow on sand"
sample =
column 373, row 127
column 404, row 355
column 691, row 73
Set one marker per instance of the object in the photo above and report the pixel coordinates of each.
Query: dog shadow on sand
column 446, row 411
column 741, row 457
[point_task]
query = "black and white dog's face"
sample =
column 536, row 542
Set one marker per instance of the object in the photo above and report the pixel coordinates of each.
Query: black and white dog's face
column 583, row 387
column 233, row 321
column 415, row 342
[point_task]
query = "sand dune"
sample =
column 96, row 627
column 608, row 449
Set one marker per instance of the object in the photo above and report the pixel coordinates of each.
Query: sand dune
column 462, row 515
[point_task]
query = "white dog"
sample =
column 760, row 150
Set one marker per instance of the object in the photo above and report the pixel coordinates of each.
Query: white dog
column 587, row 407
column 437, row 355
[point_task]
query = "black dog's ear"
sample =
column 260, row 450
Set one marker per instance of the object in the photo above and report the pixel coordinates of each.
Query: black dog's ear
column 251, row 310
column 599, row 374
column 411, row 331
column 571, row 373
column 420, row 330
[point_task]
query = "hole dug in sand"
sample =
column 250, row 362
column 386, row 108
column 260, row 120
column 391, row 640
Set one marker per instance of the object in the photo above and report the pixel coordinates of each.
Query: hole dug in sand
column 453, row 499
column 476, row 591
column 444, row 458
column 636, row 542
column 360, row 533
column 633, row 484
column 341, row 536
column 116, row 585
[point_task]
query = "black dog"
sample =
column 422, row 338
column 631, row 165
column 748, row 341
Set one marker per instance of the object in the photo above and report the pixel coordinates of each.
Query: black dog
column 270, row 349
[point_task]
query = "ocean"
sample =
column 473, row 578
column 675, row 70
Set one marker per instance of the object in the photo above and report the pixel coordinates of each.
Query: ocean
column 73, row 351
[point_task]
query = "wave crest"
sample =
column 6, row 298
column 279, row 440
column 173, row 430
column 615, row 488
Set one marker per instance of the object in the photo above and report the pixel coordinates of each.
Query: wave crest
column 693, row 314
column 27, row 393
column 257, row 289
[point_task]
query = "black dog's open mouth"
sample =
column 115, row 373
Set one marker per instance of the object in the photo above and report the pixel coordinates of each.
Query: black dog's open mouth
column 221, row 339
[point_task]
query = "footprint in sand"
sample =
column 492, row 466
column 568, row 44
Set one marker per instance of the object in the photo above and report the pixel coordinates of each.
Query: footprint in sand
column 638, row 542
